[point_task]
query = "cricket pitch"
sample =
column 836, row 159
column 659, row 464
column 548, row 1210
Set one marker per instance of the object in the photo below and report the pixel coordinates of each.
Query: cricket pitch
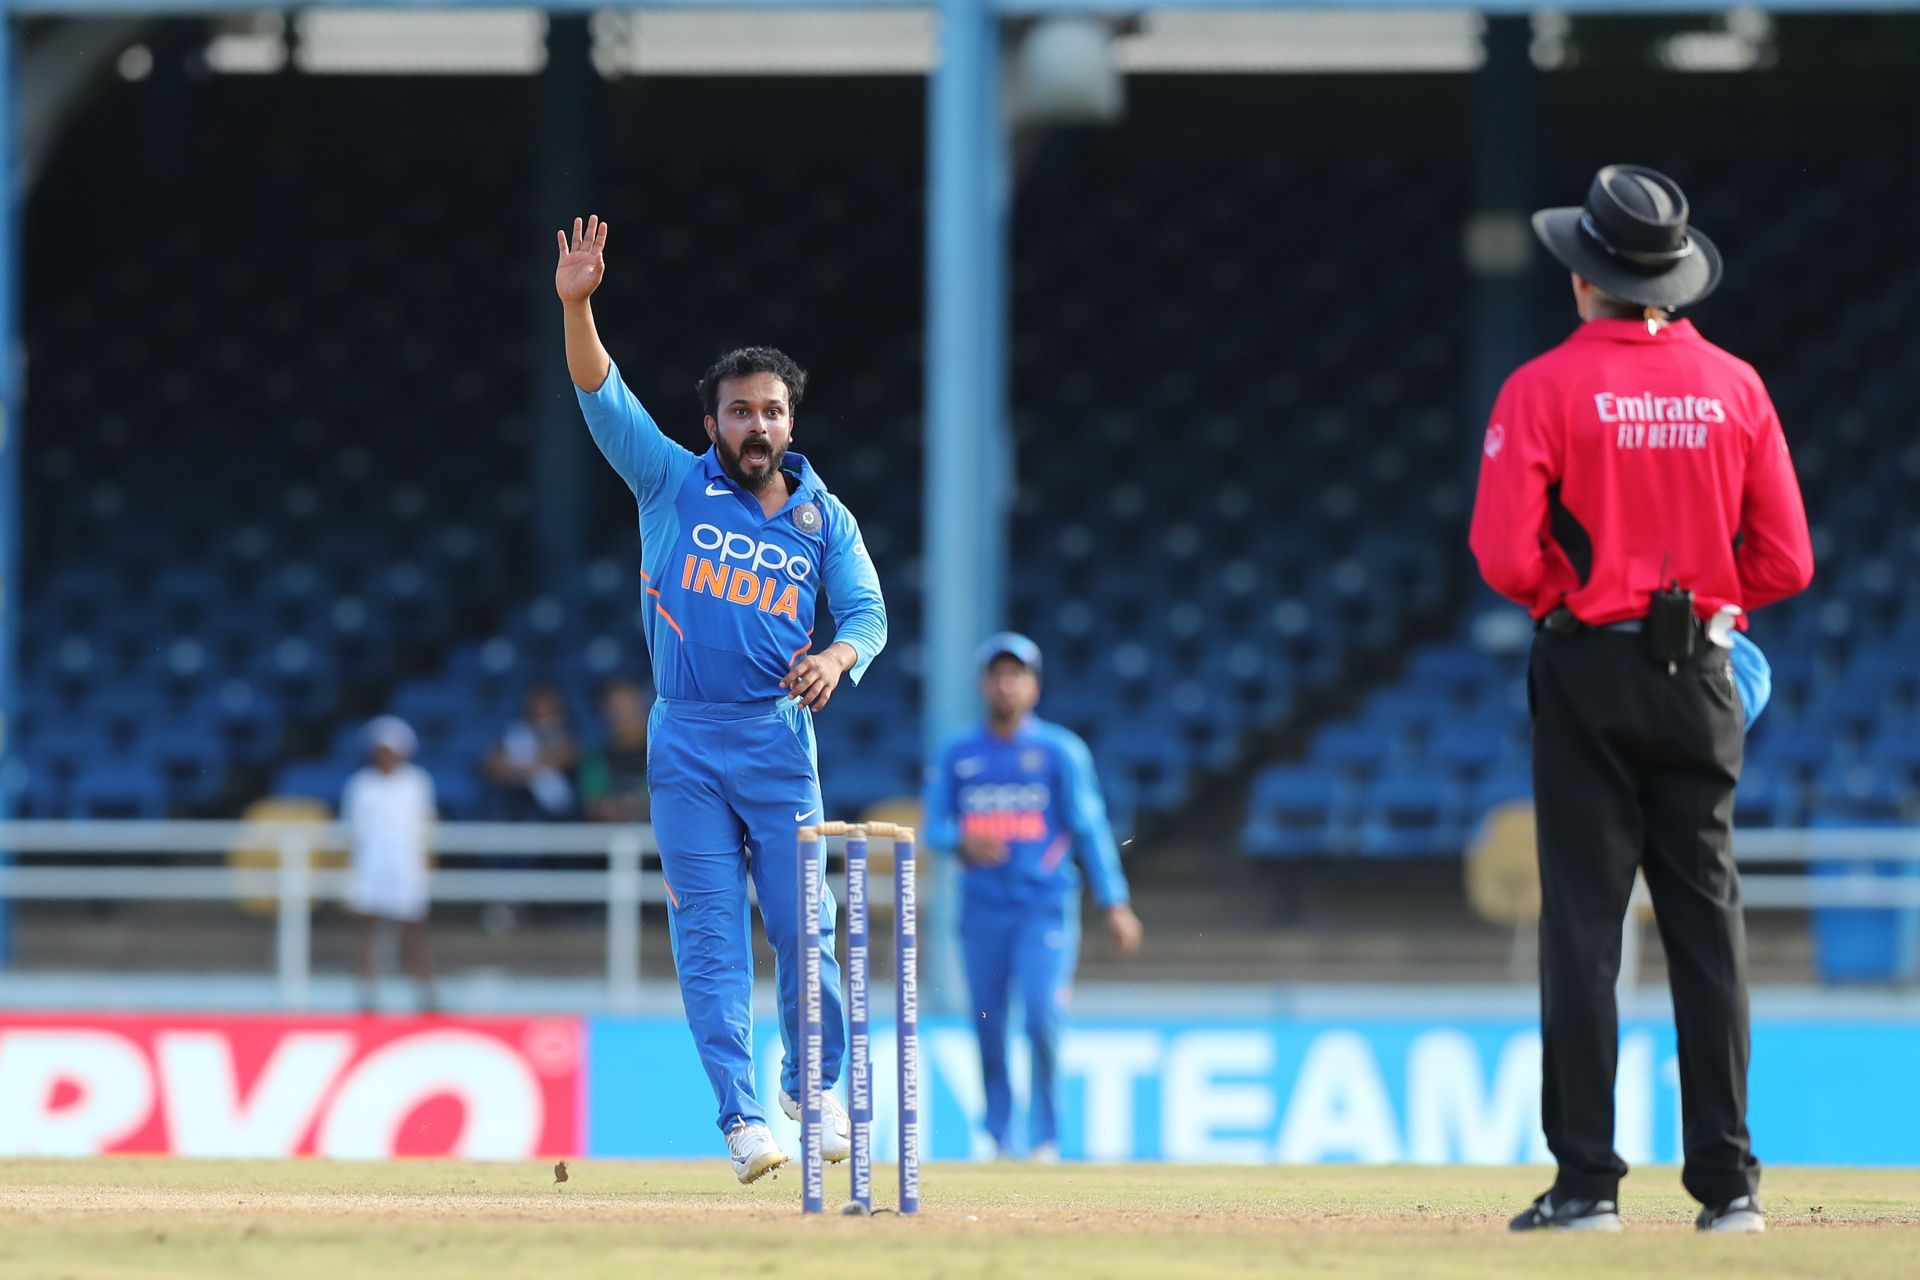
column 295, row 1220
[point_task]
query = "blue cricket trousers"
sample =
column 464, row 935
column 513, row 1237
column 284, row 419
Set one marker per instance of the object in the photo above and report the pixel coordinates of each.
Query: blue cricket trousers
column 1032, row 946
column 731, row 784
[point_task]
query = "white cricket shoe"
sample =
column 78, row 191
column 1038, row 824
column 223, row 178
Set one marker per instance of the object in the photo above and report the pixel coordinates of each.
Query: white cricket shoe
column 754, row 1151
column 836, row 1142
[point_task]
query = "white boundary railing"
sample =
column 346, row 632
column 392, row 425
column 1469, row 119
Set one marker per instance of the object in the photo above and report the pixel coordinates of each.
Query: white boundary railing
column 632, row 879
column 1800, row 891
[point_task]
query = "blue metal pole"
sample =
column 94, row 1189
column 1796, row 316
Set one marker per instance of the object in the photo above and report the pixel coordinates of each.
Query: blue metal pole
column 995, row 440
column 557, row 463
column 1500, row 334
column 965, row 387
column 9, row 452
column 968, row 454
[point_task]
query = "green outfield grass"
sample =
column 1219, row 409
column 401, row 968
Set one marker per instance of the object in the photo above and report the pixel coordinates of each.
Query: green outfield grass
column 295, row 1220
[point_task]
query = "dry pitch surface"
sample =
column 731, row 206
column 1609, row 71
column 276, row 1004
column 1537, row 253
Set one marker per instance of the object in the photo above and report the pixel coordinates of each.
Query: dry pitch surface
column 294, row 1220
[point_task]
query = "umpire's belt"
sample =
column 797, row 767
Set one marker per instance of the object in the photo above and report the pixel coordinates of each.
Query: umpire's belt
column 1560, row 621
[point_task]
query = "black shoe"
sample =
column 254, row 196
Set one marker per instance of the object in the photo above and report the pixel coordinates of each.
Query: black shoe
column 1740, row 1215
column 1574, row 1213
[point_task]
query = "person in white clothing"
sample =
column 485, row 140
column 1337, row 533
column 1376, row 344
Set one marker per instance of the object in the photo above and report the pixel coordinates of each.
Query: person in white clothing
column 388, row 810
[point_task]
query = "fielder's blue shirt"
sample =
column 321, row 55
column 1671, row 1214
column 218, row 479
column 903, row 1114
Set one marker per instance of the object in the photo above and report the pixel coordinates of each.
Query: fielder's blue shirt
column 1038, row 792
column 732, row 591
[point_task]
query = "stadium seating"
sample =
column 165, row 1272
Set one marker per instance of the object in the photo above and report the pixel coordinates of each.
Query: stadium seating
column 293, row 494
column 231, row 570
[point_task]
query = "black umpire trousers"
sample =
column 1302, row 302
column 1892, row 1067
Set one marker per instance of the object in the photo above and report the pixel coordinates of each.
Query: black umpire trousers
column 1634, row 767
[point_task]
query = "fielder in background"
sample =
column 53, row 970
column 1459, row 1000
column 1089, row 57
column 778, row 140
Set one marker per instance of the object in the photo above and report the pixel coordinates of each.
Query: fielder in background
column 388, row 810
column 1637, row 496
column 1017, row 800
column 735, row 546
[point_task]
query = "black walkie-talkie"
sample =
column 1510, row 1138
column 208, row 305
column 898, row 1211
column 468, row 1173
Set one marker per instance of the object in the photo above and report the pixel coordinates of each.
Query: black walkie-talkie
column 1670, row 626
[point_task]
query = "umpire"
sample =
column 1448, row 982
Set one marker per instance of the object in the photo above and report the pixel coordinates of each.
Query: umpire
column 1637, row 497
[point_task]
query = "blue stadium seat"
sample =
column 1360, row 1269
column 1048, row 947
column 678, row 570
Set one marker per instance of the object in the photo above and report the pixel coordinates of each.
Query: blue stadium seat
column 1765, row 798
column 1298, row 812
column 458, row 791
column 1410, row 815
column 1358, row 751
column 118, row 788
column 1859, row 791
column 1799, row 748
column 314, row 779
column 1470, row 749
column 1512, row 781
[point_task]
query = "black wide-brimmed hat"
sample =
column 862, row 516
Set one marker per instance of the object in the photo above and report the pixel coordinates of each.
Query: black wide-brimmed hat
column 1632, row 239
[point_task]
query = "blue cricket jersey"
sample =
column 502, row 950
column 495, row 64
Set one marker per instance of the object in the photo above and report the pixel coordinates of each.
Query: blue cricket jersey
column 733, row 591
column 1036, row 791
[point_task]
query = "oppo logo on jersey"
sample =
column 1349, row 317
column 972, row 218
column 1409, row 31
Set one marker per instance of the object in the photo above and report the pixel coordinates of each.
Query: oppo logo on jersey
column 756, row 555
column 990, row 797
column 1005, row 811
column 747, row 571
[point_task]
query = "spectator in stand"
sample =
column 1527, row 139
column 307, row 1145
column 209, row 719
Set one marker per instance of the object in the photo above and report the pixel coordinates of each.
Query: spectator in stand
column 529, row 767
column 388, row 810
column 530, row 772
column 613, row 777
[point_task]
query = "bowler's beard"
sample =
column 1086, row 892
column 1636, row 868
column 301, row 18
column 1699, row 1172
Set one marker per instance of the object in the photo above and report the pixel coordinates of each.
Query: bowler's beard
column 753, row 477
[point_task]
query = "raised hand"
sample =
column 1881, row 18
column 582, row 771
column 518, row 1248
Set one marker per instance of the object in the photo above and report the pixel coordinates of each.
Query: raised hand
column 583, row 263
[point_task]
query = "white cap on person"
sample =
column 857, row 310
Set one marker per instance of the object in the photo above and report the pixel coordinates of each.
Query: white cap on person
column 393, row 733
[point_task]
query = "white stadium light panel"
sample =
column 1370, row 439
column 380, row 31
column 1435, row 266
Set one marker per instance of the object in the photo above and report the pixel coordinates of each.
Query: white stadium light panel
column 246, row 53
column 772, row 43
column 1268, row 41
column 420, row 42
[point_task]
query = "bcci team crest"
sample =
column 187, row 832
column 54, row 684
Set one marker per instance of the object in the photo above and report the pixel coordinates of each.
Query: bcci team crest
column 806, row 518
column 1032, row 761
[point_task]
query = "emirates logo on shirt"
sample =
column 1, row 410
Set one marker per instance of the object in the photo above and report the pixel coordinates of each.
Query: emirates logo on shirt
column 1645, row 420
column 1496, row 440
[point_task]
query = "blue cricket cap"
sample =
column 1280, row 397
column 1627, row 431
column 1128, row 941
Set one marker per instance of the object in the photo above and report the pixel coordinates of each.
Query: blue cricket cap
column 1008, row 644
column 1753, row 674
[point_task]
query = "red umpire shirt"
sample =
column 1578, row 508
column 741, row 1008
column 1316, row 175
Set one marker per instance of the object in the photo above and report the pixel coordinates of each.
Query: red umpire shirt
column 1594, row 461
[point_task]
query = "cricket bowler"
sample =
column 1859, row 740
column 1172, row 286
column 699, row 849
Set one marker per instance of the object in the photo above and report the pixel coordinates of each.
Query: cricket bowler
column 735, row 546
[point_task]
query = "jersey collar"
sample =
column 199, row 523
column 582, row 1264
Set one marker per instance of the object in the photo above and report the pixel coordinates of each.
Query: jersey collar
column 1022, row 730
column 795, row 464
column 1608, row 330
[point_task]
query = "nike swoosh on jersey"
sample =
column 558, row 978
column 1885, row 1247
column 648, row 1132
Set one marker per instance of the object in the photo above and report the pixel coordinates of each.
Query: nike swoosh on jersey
column 802, row 817
column 967, row 768
column 718, row 491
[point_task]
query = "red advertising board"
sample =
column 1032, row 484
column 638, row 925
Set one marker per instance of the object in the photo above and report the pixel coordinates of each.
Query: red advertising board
column 349, row 1088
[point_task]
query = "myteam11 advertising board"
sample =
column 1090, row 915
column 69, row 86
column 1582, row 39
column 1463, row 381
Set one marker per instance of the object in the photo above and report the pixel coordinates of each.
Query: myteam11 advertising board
column 1216, row 1090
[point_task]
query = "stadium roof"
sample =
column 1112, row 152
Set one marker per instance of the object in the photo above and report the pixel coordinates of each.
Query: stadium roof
column 1011, row 8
